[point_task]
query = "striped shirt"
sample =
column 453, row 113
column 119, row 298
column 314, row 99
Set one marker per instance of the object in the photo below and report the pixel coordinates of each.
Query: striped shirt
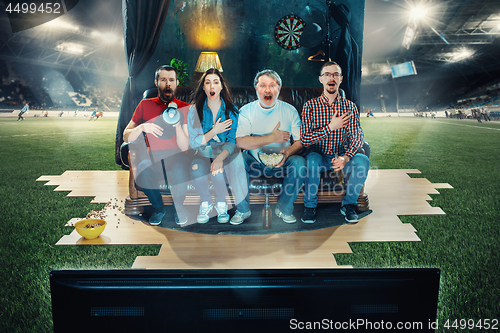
column 316, row 135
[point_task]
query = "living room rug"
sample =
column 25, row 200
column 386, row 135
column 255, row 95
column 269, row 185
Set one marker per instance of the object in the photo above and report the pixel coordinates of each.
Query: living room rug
column 327, row 215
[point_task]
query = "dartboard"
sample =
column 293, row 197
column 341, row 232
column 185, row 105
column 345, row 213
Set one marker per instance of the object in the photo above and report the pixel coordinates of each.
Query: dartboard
column 288, row 30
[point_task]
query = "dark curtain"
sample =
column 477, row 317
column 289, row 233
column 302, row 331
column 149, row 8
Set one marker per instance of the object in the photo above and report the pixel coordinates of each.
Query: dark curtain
column 346, row 54
column 142, row 24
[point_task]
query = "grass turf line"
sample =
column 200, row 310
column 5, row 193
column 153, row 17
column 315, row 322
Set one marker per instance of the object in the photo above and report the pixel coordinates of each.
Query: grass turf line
column 463, row 243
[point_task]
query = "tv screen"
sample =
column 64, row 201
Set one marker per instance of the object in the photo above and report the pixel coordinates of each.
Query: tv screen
column 244, row 300
column 404, row 69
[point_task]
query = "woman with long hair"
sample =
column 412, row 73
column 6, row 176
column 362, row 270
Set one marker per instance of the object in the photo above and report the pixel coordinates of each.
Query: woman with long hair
column 212, row 123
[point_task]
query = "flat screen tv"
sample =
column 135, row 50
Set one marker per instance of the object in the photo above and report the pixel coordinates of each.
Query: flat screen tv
column 244, row 300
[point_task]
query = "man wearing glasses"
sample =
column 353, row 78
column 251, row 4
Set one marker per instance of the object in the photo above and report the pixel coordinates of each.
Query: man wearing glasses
column 331, row 131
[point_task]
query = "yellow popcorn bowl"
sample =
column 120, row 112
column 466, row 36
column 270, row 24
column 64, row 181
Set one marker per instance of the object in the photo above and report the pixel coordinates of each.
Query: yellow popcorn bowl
column 90, row 228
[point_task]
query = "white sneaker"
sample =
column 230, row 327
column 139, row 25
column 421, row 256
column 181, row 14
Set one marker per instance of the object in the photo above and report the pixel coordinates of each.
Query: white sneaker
column 205, row 209
column 239, row 217
column 222, row 215
column 286, row 218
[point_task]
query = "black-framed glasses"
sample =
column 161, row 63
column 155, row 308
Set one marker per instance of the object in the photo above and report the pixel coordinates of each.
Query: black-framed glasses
column 335, row 75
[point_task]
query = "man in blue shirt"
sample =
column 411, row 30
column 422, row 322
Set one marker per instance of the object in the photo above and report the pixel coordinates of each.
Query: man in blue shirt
column 269, row 122
column 23, row 111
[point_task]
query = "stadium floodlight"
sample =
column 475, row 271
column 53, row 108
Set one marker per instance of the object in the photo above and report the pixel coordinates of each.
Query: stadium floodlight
column 58, row 24
column 418, row 13
column 72, row 48
column 461, row 54
column 410, row 33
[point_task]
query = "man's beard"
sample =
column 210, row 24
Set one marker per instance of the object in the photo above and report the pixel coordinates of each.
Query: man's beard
column 268, row 98
column 163, row 95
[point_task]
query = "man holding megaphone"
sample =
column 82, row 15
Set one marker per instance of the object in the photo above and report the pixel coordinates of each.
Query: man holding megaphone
column 164, row 144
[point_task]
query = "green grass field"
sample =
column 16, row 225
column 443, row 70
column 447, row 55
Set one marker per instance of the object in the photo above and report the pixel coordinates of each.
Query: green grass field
column 463, row 243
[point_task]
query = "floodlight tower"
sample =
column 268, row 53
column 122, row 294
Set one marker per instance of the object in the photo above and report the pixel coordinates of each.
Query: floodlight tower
column 417, row 14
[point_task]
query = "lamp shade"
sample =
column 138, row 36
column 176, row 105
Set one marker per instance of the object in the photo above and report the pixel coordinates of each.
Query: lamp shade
column 208, row 60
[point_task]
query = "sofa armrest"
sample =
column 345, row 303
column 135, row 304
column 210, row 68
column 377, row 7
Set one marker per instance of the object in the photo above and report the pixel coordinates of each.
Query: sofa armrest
column 125, row 158
column 124, row 150
column 365, row 148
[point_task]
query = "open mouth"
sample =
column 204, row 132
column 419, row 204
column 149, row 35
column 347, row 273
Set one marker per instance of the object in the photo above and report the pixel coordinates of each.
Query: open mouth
column 268, row 98
column 212, row 93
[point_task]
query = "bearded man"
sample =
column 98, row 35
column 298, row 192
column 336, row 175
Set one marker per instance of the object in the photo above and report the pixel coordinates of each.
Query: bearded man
column 170, row 153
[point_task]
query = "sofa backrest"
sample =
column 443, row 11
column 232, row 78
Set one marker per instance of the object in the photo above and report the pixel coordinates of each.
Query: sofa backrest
column 296, row 96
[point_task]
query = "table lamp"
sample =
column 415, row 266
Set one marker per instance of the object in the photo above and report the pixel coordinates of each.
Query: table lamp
column 207, row 60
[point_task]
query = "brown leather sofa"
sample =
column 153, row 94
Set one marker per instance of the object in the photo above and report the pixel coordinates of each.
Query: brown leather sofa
column 263, row 190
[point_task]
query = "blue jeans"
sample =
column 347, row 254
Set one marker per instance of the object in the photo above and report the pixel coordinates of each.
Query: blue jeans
column 238, row 181
column 200, row 171
column 234, row 169
column 355, row 171
column 293, row 173
column 151, row 174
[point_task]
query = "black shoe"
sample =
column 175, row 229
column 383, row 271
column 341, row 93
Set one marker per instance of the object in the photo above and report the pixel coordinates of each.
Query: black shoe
column 349, row 211
column 309, row 215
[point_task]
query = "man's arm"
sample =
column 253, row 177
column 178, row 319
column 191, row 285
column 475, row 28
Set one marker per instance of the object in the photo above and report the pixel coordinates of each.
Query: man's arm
column 338, row 163
column 134, row 130
column 292, row 150
column 355, row 134
column 297, row 144
column 253, row 142
column 310, row 135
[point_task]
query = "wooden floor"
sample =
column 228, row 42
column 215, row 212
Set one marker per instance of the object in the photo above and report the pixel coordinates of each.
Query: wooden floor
column 391, row 193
